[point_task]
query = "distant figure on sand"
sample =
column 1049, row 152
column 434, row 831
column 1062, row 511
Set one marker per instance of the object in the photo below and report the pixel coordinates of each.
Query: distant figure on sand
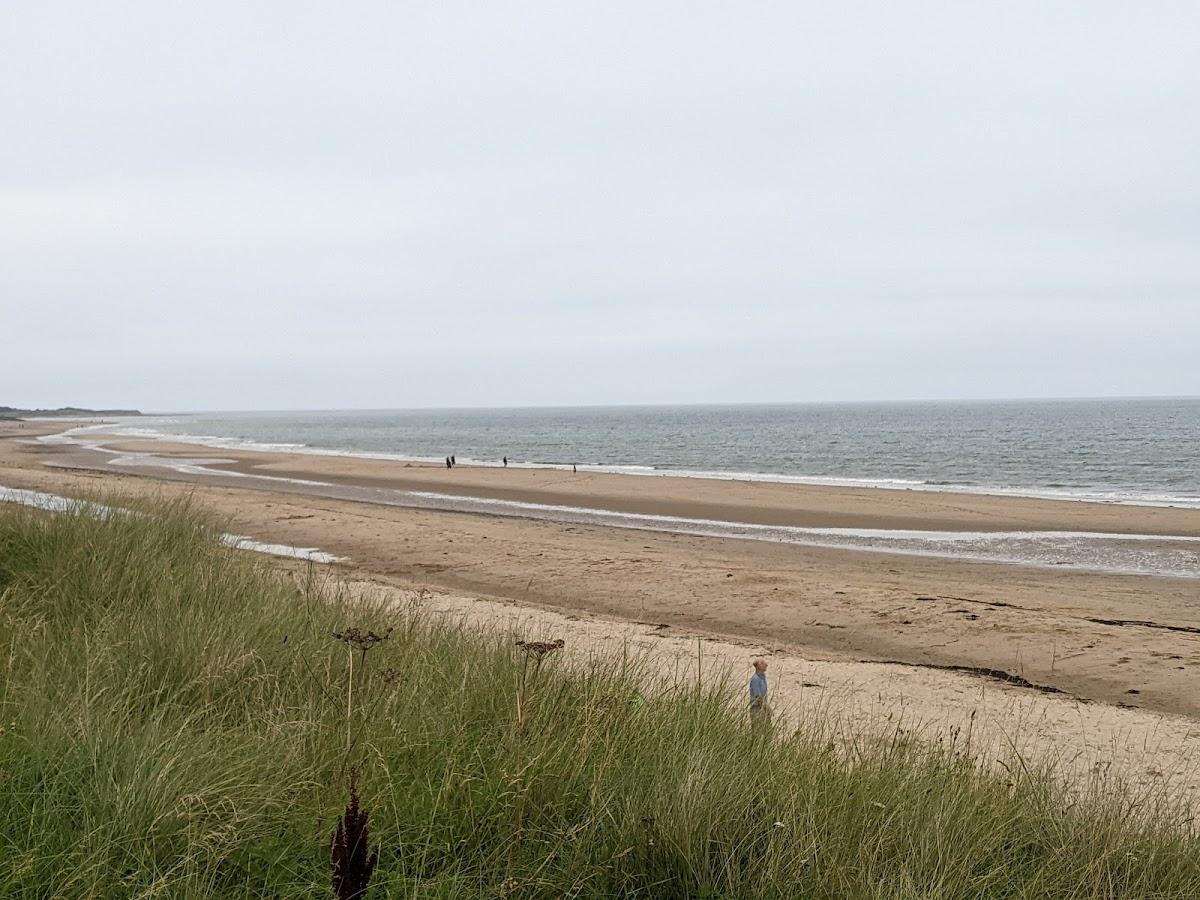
column 453, row 461
column 758, row 689
column 506, row 462
column 448, row 463
column 574, row 468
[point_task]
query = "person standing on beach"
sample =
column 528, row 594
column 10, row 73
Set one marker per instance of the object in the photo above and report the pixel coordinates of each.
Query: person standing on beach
column 453, row 461
column 448, row 463
column 758, row 689
column 506, row 462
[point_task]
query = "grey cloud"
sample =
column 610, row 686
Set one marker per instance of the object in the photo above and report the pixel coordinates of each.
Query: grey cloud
column 287, row 205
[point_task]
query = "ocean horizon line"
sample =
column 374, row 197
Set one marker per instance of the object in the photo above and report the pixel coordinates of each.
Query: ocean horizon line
column 689, row 404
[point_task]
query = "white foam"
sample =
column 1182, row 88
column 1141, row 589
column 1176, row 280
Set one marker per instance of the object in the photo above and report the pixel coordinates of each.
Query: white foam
column 55, row 503
column 310, row 553
column 47, row 502
column 135, row 458
column 1130, row 554
column 866, row 533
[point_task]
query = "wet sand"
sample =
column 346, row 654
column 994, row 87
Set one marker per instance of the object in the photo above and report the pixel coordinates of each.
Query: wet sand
column 933, row 639
column 758, row 502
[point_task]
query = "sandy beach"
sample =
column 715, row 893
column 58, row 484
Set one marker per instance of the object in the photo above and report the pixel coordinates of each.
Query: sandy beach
column 1096, row 668
column 421, row 423
column 760, row 502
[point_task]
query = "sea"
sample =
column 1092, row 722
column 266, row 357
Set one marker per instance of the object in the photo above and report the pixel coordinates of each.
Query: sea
column 1144, row 451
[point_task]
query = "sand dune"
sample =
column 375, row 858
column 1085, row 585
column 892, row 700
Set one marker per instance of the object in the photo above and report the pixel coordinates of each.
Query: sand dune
column 1095, row 669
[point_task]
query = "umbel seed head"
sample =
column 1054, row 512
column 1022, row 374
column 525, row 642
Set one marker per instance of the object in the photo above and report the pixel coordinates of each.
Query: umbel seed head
column 361, row 640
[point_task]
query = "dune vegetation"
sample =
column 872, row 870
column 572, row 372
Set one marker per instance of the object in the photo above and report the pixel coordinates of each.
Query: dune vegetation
column 181, row 719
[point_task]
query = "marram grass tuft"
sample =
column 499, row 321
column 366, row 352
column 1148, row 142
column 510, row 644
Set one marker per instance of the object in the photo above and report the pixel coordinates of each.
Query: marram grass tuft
column 179, row 720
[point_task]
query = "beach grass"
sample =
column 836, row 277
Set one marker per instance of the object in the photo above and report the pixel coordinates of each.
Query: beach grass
column 180, row 720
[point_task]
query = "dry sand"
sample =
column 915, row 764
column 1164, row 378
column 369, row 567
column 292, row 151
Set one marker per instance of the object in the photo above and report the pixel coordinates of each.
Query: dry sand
column 1084, row 743
column 868, row 631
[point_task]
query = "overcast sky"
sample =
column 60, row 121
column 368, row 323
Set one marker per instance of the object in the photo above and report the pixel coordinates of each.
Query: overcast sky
column 289, row 205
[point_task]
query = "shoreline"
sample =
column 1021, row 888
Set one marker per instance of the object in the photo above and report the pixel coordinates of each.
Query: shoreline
column 1048, row 493
column 1121, row 639
column 724, row 500
column 1041, row 534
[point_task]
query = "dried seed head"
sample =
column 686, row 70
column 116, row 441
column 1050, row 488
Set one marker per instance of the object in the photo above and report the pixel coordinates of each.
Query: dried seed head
column 361, row 640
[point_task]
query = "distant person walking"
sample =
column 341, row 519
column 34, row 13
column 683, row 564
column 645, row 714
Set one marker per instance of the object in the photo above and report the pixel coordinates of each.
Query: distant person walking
column 758, row 690
column 506, row 462
column 574, row 468
column 448, row 463
column 453, row 461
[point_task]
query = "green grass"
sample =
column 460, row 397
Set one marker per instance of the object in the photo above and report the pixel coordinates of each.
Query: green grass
column 175, row 725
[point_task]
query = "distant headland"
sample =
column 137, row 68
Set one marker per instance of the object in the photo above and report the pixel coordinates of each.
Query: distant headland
column 12, row 412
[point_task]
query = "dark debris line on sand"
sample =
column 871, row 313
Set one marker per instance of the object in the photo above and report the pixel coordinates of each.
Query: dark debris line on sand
column 983, row 672
column 1187, row 629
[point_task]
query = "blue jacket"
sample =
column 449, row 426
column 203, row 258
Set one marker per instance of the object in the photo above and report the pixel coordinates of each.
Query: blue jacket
column 758, row 688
